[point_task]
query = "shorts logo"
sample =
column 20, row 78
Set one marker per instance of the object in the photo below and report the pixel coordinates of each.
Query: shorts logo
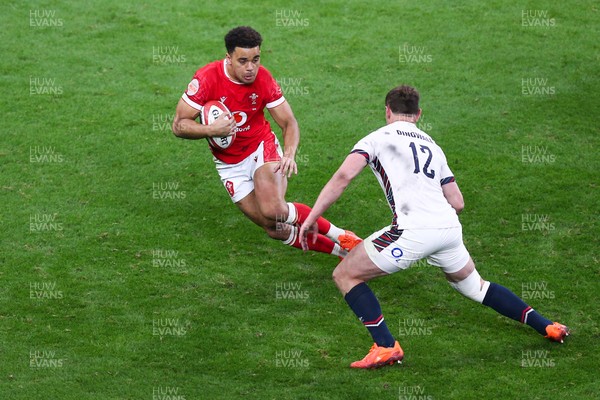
column 229, row 187
column 193, row 87
column 397, row 252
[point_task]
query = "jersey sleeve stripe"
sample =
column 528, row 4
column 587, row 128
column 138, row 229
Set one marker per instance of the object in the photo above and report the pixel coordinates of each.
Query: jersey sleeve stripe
column 191, row 103
column 362, row 153
column 446, row 180
column 276, row 102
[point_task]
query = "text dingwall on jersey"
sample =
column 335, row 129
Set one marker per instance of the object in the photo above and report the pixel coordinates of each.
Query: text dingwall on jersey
column 414, row 135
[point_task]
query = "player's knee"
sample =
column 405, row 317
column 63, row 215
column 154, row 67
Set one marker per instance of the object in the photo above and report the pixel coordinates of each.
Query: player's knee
column 274, row 212
column 278, row 231
column 273, row 234
column 472, row 287
column 338, row 276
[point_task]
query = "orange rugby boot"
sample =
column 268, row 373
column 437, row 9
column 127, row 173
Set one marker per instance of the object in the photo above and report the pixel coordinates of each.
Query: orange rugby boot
column 380, row 356
column 349, row 240
column 557, row 332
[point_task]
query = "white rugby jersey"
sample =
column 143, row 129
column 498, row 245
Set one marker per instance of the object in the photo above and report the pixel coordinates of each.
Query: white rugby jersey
column 411, row 170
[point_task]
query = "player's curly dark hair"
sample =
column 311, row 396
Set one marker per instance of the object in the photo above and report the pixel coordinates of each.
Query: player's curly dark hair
column 403, row 100
column 242, row 36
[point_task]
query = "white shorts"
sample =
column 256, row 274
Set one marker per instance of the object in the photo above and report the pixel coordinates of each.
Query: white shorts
column 238, row 178
column 393, row 250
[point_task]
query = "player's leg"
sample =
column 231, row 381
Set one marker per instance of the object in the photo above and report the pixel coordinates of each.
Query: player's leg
column 362, row 264
column 288, row 234
column 293, row 213
column 237, row 180
column 269, row 192
column 297, row 214
column 267, row 210
column 250, row 208
column 468, row 282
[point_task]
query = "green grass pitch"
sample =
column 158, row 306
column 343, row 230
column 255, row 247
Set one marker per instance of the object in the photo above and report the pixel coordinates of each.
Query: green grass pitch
column 126, row 273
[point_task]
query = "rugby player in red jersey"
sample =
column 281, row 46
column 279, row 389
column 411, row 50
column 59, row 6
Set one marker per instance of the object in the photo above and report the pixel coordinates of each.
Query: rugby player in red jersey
column 253, row 169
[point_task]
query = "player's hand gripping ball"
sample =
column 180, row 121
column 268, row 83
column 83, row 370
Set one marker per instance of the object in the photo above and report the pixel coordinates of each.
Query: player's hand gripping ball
column 210, row 112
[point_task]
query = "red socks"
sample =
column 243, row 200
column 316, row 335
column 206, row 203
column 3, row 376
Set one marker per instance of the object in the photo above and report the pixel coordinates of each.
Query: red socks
column 302, row 211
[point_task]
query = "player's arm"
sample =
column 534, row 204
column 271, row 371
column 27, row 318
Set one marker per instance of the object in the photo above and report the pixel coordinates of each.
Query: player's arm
column 186, row 127
column 350, row 168
column 284, row 117
column 454, row 196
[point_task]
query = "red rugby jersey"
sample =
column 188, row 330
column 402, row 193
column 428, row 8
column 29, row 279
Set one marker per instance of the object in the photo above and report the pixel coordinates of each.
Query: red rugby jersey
column 246, row 103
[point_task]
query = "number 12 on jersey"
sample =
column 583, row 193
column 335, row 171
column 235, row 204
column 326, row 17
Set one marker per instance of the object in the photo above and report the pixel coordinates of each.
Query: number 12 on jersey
column 424, row 150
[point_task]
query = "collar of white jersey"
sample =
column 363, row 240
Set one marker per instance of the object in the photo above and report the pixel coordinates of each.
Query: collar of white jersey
column 405, row 122
column 229, row 77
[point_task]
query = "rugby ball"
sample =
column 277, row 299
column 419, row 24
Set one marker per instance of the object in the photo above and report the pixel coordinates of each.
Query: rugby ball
column 210, row 112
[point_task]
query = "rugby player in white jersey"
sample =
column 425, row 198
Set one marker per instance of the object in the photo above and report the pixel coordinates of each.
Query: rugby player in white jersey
column 425, row 200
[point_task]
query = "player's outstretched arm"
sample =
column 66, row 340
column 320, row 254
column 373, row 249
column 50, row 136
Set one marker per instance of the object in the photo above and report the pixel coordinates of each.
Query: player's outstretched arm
column 332, row 191
column 186, row 127
column 454, row 196
column 284, row 117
